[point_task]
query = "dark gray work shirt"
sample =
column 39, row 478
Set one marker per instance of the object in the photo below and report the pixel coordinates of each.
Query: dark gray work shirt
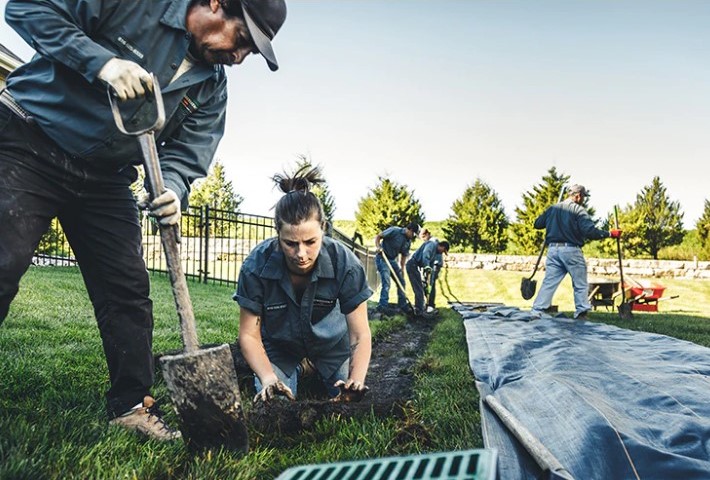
column 426, row 254
column 313, row 326
column 60, row 89
column 568, row 222
column 394, row 242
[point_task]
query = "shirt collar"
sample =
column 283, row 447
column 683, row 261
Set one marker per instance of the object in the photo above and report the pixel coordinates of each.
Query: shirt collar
column 176, row 14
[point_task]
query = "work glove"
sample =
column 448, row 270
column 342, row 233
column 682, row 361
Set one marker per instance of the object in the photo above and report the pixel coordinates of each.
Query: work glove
column 271, row 390
column 615, row 233
column 350, row 391
column 128, row 79
column 165, row 208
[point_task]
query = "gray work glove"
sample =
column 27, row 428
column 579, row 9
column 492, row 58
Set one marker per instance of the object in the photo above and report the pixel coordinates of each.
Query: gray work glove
column 350, row 391
column 270, row 391
column 165, row 208
column 128, row 79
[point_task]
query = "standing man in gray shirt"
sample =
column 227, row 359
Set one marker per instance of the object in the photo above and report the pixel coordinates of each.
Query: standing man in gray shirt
column 567, row 225
column 62, row 156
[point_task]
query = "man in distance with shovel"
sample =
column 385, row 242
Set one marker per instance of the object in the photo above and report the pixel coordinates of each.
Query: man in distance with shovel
column 62, row 156
column 392, row 244
column 567, row 225
column 422, row 263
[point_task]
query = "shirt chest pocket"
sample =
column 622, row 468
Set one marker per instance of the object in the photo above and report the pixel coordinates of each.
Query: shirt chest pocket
column 275, row 320
column 322, row 307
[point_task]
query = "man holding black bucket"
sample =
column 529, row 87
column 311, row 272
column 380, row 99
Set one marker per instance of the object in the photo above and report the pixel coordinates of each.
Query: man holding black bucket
column 567, row 225
column 62, row 156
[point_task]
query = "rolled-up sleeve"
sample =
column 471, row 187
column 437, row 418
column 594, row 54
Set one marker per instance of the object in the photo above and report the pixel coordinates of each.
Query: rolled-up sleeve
column 354, row 289
column 250, row 293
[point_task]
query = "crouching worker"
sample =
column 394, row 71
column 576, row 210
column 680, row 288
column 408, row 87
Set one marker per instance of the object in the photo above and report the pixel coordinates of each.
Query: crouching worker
column 303, row 295
column 422, row 262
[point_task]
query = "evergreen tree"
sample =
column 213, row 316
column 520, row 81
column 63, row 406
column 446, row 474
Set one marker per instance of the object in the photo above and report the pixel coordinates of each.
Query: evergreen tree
column 528, row 240
column 216, row 192
column 478, row 220
column 388, row 204
column 653, row 222
column 703, row 226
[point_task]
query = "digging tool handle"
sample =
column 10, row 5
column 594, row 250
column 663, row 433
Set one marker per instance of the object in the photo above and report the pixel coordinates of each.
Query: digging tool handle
column 539, row 257
column 169, row 239
column 618, row 249
column 169, row 235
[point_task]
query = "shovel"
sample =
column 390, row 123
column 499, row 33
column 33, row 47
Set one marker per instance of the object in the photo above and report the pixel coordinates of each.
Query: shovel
column 202, row 382
column 624, row 307
column 410, row 308
column 527, row 284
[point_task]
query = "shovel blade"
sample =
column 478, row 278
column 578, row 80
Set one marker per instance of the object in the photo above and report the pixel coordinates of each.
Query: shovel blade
column 527, row 288
column 625, row 311
column 204, row 389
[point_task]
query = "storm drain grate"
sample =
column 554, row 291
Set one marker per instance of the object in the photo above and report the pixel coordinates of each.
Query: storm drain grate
column 462, row 465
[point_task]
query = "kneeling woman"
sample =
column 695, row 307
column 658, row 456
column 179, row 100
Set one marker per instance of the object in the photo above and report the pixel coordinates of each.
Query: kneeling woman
column 303, row 295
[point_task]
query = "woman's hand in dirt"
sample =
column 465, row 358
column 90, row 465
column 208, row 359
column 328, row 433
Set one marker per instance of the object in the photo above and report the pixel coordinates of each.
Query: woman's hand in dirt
column 271, row 390
column 350, row 391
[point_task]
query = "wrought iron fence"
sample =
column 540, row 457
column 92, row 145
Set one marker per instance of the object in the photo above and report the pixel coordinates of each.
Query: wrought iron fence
column 213, row 245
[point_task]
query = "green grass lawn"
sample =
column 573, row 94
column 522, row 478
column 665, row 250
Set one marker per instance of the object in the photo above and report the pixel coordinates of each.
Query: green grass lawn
column 53, row 377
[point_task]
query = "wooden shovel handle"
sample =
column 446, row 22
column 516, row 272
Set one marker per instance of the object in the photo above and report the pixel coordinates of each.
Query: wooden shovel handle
column 169, row 239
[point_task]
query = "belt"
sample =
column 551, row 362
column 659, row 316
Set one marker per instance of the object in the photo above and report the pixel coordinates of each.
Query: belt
column 7, row 100
column 562, row 244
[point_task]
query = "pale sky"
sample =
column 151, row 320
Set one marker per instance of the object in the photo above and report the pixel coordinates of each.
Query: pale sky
column 437, row 93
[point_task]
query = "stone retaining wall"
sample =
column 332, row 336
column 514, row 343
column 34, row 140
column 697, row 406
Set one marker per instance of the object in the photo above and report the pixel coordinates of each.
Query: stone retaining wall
column 595, row 266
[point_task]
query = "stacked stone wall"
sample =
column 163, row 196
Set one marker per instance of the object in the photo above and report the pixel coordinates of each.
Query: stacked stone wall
column 595, row 266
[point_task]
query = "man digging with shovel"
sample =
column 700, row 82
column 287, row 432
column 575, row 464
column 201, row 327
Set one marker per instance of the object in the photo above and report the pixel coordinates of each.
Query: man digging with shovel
column 62, row 156
column 567, row 225
column 392, row 244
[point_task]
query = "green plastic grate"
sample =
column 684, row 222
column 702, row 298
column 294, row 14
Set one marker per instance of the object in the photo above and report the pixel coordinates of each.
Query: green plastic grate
column 461, row 465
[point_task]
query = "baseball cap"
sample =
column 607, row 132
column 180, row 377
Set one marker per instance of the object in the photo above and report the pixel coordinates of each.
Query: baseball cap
column 264, row 18
column 578, row 189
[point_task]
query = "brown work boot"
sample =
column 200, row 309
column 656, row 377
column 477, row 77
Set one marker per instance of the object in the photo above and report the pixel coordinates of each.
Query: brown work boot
column 148, row 420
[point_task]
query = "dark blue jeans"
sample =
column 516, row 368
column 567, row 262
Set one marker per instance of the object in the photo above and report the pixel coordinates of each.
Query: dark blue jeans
column 39, row 181
column 415, row 280
column 385, row 281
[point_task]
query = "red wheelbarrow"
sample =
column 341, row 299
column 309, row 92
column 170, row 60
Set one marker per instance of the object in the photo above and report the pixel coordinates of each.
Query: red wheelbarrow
column 645, row 295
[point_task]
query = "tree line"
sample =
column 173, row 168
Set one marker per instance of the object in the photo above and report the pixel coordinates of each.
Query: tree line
column 477, row 222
